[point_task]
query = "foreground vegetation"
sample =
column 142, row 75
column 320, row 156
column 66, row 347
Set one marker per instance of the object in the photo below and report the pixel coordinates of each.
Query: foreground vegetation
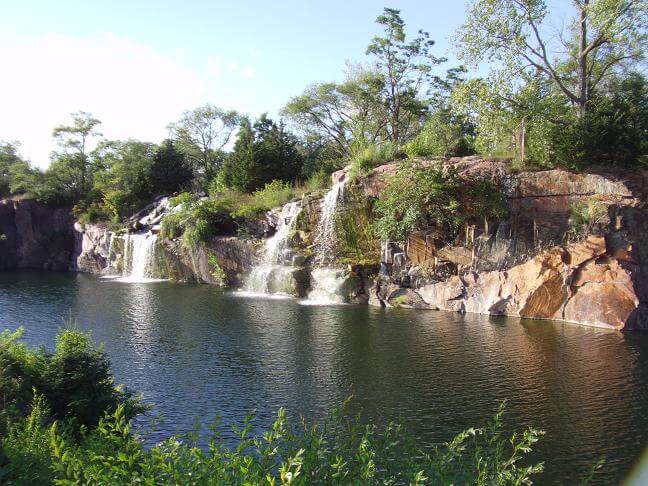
column 579, row 103
column 75, row 428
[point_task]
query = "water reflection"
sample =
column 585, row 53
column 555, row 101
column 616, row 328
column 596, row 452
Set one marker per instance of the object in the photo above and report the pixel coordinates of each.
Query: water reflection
column 195, row 351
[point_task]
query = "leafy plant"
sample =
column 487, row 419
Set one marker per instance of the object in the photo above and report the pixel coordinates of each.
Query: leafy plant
column 216, row 270
column 75, row 380
column 366, row 157
column 441, row 137
column 586, row 217
column 418, row 197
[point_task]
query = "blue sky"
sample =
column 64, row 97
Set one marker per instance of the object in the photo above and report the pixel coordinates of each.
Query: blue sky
column 137, row 65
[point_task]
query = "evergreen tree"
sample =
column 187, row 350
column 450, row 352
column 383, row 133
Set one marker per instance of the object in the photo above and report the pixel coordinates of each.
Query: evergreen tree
column 263, row 152
column 170, row 171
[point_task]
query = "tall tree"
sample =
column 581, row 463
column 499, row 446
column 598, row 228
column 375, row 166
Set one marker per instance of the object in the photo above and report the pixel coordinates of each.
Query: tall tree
column 73, row 139
column 124, row 182
column 342, row 113
column 170, row 171
column 602, row 36
column 202, row 134
column 406, row 67
column 263, row 152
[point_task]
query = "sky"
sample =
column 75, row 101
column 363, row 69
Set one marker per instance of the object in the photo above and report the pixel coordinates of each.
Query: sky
column 137, row 64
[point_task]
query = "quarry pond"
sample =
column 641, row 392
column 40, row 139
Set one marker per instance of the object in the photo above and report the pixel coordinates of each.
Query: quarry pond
column 196, row 351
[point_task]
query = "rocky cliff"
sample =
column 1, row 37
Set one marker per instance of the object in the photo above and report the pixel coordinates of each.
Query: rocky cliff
column 533, row 263
column 34, row 236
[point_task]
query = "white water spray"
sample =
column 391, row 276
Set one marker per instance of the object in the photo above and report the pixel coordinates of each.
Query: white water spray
column 327, row 286
column 111, row 243
column 139, row 250
column 274, row 273
column 326, row 239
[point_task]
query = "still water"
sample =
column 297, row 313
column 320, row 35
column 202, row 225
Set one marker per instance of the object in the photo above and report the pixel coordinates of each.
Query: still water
column 194, row 352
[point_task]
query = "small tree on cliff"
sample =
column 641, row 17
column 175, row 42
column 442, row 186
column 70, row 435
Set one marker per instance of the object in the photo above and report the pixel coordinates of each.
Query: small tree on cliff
column 406, row 68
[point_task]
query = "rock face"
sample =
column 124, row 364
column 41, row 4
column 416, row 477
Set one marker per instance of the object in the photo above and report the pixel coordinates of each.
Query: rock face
column 578, row 283
column 93, row 249
column 223, row 261
column 34, row 236
column 531, row 264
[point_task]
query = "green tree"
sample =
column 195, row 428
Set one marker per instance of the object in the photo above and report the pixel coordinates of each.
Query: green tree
column 61, row 181
column 202, row 134
column 16, row 174
column 73, row 140
column 339, row 115
column 603, row 36
column 242, row 170
column 614, row 130
column 170, row 171
column 406, row 68
column 123, row 182
column 262, row 153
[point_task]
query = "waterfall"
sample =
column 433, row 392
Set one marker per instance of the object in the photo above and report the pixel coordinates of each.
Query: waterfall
column 326, row 239
column 111, row 243
column 274, row 274
column 327, row 286
column 142, row 254
column 139, row 249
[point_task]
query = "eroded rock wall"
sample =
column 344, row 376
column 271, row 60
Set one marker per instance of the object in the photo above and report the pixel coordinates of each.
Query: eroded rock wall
column 35, row 236
column 531, row 264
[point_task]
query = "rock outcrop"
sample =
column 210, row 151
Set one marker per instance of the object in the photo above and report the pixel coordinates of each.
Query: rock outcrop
column 35, row 236
column 223, row 261
column 532, row 264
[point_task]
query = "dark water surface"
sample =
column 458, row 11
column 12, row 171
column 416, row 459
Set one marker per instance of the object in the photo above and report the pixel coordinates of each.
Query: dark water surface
column 194, row 351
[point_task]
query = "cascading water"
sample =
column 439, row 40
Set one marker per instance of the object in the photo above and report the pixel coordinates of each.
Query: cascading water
column 139, row 249
column 274, row 274
column 141, row 255
column 327, row 284
column 111, row 244
column 326, row 239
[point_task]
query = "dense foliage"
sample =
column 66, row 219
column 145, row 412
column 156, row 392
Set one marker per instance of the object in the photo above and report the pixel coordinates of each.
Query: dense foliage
column 43, row 442
column 75, row 381
column 263, row 152
column 198, row 219
column 419, row 197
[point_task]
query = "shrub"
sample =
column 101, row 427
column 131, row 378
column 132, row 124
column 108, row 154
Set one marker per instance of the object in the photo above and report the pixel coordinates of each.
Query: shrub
column 440, row 137
column 318, row 181
column 418, row 197
column 586, row 217
column 181, row 199
column 274, row 194
column 366, row 157
column 197, row 220
column 75, row 381
column 340, row 450
column 92, row 213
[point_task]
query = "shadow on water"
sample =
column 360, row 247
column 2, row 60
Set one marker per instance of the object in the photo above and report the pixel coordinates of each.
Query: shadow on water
column 194, row 351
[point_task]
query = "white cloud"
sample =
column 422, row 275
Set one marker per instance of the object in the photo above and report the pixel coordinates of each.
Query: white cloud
column 134, row 90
